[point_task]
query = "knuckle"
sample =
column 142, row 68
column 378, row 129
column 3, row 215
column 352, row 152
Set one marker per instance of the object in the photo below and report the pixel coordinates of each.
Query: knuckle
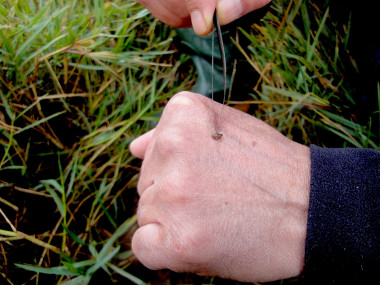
column 145, row 246
column 170, row 140
column 183, row 97
column 182, row 102
column 144, row 181
column 144, row 212
column 140, row 187
column 141, row 214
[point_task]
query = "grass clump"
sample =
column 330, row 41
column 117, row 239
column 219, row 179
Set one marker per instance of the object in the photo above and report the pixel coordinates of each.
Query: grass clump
column 78, row 81
column 299, row 50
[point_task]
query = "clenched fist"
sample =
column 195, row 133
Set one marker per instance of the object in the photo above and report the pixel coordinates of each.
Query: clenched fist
column 199, row 13
column 234, row 207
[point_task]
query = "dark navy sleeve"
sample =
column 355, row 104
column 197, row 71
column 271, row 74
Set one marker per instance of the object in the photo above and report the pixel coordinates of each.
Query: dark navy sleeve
column 342, row 243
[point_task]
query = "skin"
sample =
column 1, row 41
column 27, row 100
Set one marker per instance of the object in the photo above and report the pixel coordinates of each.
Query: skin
column 234, row 207
column 199, row 13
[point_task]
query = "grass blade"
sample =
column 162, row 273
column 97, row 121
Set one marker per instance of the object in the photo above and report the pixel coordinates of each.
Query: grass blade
column 127, row 275
column 60, row 270
column 39, row 122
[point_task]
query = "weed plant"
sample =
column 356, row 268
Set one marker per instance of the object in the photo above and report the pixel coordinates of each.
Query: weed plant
column 80, row 79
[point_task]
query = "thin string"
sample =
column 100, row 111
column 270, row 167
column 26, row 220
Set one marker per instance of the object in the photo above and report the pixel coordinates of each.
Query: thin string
column 216, row 27
column 212, row 78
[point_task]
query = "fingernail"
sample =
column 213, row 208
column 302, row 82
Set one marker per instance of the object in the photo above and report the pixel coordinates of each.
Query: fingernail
column 199, row 23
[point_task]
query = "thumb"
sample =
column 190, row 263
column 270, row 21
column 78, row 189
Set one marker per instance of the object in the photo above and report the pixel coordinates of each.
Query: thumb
column 139, row 145
column 230, row 10
column 201, row 13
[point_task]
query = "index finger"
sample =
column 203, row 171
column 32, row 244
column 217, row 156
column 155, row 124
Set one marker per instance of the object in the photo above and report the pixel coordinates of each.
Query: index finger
column 171, row 12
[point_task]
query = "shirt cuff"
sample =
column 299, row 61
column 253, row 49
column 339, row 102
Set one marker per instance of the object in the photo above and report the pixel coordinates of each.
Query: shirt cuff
column 342, row 242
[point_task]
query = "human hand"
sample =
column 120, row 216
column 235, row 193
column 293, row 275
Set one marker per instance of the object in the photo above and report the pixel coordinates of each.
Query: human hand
column 199, row 13
column 234, row 208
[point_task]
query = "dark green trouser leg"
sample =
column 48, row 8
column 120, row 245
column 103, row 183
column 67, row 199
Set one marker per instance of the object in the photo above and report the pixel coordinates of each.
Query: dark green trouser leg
column 200, row 49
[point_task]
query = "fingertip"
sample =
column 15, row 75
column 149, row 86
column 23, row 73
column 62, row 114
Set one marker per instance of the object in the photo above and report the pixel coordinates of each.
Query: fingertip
column 201, row 14
column 228, row 11
column 139, row 145
column 231, row 10
column 202, row 22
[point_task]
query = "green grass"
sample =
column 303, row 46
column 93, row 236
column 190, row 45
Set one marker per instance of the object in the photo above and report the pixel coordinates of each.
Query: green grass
column 304, row 88
column 79, row 80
